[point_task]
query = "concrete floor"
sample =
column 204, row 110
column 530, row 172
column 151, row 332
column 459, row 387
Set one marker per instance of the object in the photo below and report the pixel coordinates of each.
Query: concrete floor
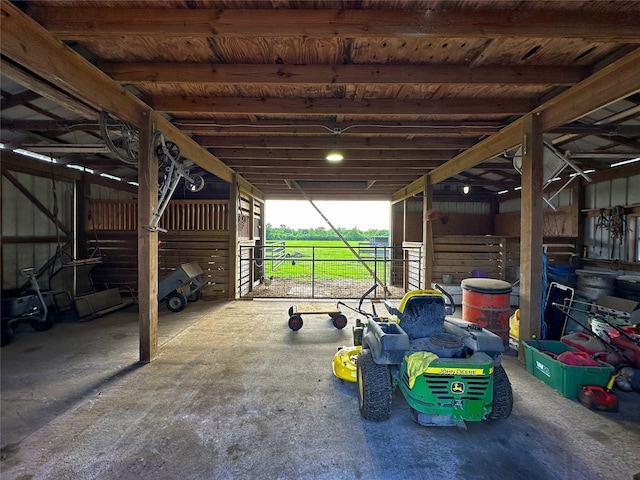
column 234, row 394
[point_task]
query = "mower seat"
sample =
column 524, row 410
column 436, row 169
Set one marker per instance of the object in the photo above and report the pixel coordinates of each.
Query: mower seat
column 422, row 314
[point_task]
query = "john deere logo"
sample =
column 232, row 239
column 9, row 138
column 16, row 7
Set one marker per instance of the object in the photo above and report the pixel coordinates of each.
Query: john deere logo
column 457, row 387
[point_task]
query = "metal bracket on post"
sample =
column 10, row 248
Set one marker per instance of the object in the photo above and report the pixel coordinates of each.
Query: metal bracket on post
column 168, row 154
column 554, row 163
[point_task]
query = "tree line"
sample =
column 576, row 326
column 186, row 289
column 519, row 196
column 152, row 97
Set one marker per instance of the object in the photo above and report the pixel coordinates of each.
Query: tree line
column 320, row 233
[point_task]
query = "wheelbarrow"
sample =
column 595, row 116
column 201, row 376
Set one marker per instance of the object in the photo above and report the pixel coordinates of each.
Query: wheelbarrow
column 183, row 285
column 26, row 305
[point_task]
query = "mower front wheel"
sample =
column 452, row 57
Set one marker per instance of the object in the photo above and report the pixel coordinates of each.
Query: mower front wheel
column 502, row 395
column 375, row 392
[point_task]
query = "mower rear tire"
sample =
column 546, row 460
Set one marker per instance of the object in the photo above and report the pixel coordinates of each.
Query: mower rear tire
column 375, row 393
column 502, row 395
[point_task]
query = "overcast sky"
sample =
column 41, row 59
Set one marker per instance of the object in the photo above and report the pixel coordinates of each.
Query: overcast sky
column 342, row 214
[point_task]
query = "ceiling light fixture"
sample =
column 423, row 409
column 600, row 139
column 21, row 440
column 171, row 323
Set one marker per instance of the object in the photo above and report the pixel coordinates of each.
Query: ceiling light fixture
column 335, row 157
column 466, row 189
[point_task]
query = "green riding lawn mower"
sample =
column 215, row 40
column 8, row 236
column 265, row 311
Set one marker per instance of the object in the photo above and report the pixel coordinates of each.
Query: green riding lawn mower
column 449, row 370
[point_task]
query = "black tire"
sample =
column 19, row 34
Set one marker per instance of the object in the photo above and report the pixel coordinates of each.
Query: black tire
column 7, row 334
column 176, row 302
column 375, row 393
column 195, row 296
column 295, row 322
column 339, row 321
column 45, row 325
column 502, row 395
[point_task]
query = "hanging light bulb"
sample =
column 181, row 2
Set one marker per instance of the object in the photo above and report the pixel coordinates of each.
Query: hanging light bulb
column 466, row 189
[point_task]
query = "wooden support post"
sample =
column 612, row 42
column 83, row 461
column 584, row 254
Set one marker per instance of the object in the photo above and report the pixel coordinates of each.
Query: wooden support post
column 531, row 223
column 147, row 244
column 234, row 251
column 427, row 234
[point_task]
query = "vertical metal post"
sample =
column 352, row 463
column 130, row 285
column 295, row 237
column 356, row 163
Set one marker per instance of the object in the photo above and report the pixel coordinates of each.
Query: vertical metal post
column 313, row 272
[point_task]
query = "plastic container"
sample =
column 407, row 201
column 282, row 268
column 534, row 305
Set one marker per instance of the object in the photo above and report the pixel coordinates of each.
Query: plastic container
column 487, row 302
column 592, row 284
column 563, row 274
column 566, row 379
column 629, row 287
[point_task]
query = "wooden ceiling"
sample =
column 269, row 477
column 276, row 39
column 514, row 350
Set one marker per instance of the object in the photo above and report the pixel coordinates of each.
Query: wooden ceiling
column 400, row 88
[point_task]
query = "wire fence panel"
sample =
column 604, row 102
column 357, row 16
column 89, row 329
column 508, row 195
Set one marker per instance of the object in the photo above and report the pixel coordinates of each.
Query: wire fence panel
column 317, row 271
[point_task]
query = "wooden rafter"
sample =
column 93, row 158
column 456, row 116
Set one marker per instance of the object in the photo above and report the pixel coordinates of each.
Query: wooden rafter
column 83, row 23
column 26, row 43
column 336, row 141
column 612, row 83
column 217, row 74
column 329, row 106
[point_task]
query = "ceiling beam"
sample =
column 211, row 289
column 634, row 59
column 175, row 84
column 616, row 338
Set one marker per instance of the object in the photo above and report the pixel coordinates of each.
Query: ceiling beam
column 43, row 89
column 333, row 142
column 280, row 74
column 333, row 106
column 310, row 128
column 307, row 127
column 28, row 45
column 545, row 22
column 231, row 154
column 320, row 162
column 612, row 83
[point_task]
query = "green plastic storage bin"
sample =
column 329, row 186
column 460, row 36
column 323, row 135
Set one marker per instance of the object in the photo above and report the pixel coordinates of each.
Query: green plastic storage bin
column 566, row 379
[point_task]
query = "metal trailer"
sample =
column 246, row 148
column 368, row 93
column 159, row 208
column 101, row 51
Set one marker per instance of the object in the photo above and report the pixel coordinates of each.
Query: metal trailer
column 182, row 285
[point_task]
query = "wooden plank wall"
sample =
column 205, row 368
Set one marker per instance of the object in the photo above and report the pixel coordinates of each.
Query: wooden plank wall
column 209, row 249
column 198, row 232
column 460, row 255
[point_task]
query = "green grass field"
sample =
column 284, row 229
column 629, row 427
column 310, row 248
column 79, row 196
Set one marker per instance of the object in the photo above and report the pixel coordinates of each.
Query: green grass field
column 324, row 260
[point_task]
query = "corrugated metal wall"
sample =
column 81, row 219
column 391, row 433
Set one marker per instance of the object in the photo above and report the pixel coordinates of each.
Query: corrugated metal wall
column 601, row 198
column 22, row 219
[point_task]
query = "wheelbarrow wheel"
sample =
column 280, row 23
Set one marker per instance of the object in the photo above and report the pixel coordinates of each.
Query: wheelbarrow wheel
column 45, row 325
column 295, row 322
column 339, row 321
column 195, row 296
column 7, row 333
column 176, row 302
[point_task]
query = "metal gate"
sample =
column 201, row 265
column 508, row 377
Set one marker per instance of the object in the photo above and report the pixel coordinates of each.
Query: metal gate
column 322, row 271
